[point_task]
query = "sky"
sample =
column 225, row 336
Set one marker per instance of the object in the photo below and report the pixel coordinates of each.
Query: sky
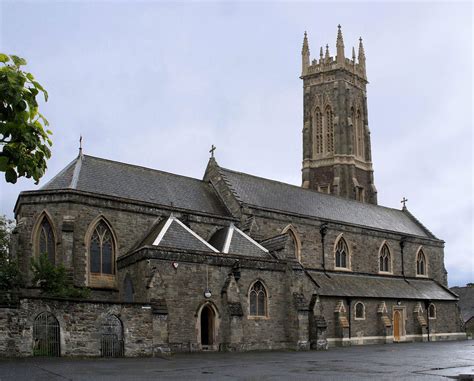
column 156, row 83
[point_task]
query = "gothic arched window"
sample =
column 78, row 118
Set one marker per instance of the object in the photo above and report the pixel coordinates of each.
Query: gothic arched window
column 421, row 263
column 384, row 259
column 258, row 300
column 359, row 311
column 431, row 311
column 355, row 133
column 329, row 130
column 102, row 250
column 342, row 254
column 318, row 120
column 46, row 241
column 360, row 134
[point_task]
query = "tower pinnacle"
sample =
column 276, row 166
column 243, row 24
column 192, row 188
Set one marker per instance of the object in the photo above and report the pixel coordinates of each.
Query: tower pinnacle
column 361, row 52
column 305, row 54
column 340, row 46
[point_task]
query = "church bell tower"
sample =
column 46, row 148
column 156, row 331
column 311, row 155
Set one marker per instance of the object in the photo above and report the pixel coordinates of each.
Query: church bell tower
column 337, row 156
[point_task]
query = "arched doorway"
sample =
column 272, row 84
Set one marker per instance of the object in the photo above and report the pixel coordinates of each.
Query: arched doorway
column 398, row 325
column 111, row 343
column 46, row 336
column 207, row 327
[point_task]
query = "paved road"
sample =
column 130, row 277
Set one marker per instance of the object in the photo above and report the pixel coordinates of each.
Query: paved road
column 413, row 361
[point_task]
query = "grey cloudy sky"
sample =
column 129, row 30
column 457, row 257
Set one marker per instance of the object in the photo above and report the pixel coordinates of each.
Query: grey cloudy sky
column 156, row 83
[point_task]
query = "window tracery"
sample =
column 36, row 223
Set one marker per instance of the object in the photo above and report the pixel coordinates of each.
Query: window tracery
column 384, row 259
column 46, row 241
column 101, row 250
column 421, row 263
column 258, row 300
column 342, row 254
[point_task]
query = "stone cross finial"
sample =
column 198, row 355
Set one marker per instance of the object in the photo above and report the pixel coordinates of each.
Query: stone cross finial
column 404, row 201
column 211, row 151
column 80, row 145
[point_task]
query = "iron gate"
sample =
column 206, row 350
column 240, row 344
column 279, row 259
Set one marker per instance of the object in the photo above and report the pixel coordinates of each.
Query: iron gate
column 46, row 339
column 111, row 344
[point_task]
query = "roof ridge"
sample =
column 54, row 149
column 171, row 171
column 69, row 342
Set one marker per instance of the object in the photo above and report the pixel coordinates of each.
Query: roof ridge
column 410, row 215
column 60, row 173
column 77, row 172
column 312, row 190
column 144, row 168
column 228, row 183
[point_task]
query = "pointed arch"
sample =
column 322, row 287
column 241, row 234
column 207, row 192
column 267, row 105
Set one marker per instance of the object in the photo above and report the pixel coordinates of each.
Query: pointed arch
column 385, row 258
column 101, row 244
column 359, row 311
column 360, row 133
column 44, row 237
column 431, row 311
column 258, row 300
column 342, row 256
column 421, row 263
column 207, row 325
column 318, row 132
column 329, row 129
column 293, row 233
column 355, row 131
column 112, row 337
column 46, row 335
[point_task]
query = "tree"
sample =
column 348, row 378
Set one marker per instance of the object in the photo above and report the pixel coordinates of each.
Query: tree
column 10, row 276
column 53, row 280
column 24, row 139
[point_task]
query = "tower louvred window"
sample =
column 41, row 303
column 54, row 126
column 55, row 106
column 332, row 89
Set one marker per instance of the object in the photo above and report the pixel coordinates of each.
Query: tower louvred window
column 329, row 130
column 360, row 134
column 319, row 131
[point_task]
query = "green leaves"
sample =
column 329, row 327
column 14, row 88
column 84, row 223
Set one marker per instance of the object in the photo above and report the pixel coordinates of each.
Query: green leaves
column 10, row 275
column 53, row 279
column 24, row 139
column 18, row 61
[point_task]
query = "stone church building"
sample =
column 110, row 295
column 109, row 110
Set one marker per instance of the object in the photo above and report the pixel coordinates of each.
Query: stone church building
column 233, row 261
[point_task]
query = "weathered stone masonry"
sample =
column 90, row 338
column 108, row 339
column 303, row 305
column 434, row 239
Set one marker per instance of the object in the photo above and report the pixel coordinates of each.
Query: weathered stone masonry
column 233, row 262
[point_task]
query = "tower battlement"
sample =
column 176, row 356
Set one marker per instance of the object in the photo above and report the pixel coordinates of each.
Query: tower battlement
column 337, row 157
column 327, row 63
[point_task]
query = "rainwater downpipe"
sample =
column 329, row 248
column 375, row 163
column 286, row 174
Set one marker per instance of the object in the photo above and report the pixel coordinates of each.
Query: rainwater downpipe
column 323, row 229
column 402, row 246
column 427, row 308
column 349, row 301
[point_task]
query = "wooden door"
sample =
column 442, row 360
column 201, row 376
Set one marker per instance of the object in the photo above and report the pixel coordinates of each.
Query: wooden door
column 397, row 321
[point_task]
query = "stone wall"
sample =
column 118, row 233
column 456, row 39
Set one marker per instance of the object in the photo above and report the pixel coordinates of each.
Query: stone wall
column 364, row 245
column 80, row 327
column 372, row 329
column 182, row 283
column 73, row 216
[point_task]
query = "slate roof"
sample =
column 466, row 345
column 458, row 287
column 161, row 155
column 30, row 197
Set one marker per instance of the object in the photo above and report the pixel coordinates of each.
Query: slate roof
column 106, row 177
column 466, row 301
column 234, row 241
column 172, row 233
column 269, row 194
column 373, row 286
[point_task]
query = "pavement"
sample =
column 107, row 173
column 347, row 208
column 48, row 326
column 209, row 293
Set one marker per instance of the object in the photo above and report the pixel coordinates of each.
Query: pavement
column 404, row 361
